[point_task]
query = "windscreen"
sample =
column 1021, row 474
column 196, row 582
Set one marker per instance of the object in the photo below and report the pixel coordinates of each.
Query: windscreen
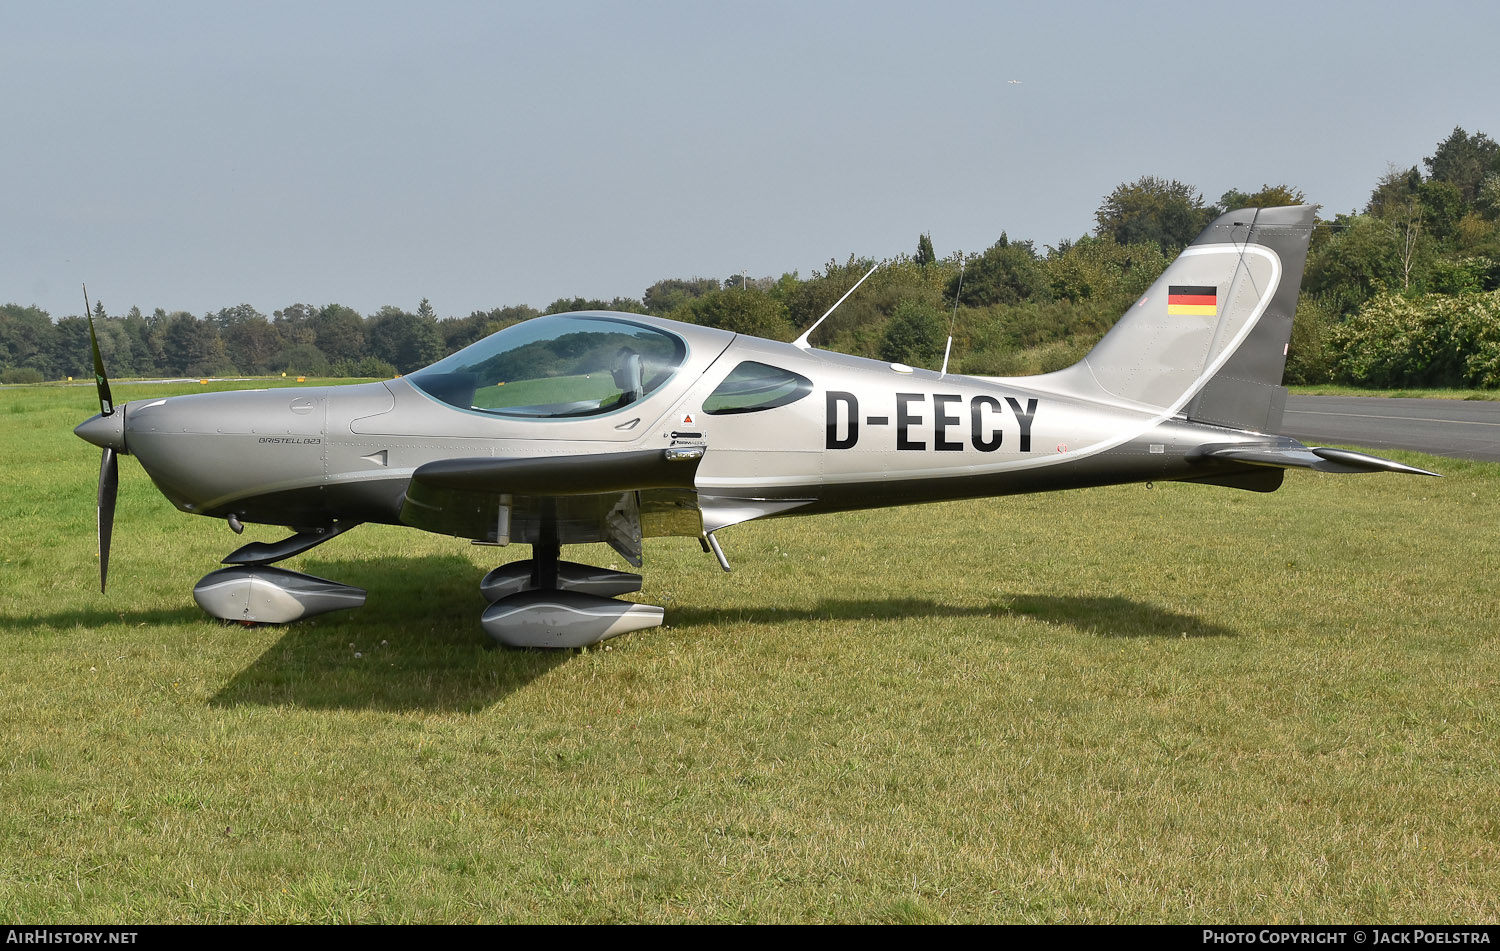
column 563, row 365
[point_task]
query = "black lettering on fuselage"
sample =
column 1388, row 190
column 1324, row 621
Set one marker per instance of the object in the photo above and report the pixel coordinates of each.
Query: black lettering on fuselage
column 847, row 399
column 976, row 424
column 941, row 421
column 986, row 421
column 1023, row 419
column 904, row 419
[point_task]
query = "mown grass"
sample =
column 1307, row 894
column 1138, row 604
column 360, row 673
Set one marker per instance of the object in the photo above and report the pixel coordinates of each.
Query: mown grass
column 1339, row 389
column 1176, row 704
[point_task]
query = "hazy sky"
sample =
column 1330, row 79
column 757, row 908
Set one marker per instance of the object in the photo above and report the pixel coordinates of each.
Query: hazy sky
column 198, row 155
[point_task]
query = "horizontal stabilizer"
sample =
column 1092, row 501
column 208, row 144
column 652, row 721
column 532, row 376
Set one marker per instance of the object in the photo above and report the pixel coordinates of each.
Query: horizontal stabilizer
column 1290, row 454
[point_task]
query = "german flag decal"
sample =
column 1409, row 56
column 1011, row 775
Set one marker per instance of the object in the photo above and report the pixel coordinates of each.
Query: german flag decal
column 1192, row 299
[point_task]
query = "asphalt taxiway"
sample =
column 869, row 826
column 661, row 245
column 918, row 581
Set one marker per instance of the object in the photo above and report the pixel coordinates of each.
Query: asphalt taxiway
column 1458, row 429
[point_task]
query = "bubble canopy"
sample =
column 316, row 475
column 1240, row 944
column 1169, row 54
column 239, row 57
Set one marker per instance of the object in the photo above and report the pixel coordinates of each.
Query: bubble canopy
column 555, row 367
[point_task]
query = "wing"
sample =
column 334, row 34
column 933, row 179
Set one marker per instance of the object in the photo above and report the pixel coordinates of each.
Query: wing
column 612, row 497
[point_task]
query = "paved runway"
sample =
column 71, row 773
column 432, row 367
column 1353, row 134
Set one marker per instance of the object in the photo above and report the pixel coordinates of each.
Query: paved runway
column 1458, row 429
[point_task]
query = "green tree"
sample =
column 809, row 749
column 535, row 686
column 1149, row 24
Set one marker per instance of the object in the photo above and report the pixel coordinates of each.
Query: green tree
column 193, row 347
column 253, row 344
column 71, row 353
column 302, row 359
column 751, row 311
column 624, row 305
column 461, row 331
column 138, row 330
column 1464, row 161
column 1397, row 202
column 925, row 254
column 808, row 300
column 295, row 324
column 1487, row 201
column 1166, row 213
column 1008, row 273
column 1442, row 208
column 26, row 339
column 117, row 349
column 237, row 314
column 663, row 297
column 1461, row 274
column 339, row 332
column 1362, row 259
column 404, row 340
column 1269, row 196
column 1310, row 354
column 914, row 335
column 1097, row 269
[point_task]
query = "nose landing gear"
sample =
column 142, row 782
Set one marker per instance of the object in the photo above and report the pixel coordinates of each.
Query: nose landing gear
column 261, row 594
column 253, row 592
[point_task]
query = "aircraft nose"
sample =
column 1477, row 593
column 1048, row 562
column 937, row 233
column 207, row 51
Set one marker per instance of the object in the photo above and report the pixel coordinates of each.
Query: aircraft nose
column 106, row 432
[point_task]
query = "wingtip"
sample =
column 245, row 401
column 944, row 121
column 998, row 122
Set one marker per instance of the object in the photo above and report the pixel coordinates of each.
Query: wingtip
column 1360, row 460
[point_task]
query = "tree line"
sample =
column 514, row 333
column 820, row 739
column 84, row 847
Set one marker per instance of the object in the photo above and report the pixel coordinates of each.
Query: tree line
column 1405, row 291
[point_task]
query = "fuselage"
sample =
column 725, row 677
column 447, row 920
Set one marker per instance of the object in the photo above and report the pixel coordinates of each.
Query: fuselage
column 783, row 431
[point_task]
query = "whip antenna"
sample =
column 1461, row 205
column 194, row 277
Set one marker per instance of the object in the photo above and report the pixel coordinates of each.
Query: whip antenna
column 801, row 342
column 954, row 319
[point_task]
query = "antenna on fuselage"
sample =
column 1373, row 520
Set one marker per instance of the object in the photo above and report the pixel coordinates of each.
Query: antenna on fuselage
column 954, row 319
column 801, row 342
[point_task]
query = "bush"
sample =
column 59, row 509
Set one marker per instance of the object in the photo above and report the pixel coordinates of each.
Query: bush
column 368, row 367
column 1483, row 363
column 21, row 375
column 1435, row 340
column 1310, row 357
column 302, row 359
column 915, row 335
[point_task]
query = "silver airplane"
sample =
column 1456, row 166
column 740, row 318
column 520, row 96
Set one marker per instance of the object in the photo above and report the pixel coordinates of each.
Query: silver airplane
column 590, row 427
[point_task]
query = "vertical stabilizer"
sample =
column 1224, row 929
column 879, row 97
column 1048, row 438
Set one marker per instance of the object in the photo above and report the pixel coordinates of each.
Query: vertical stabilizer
column 1209, row 339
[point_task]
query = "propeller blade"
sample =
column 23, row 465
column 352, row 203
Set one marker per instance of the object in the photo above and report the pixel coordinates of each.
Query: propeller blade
column 101, row 382
column 109, row 481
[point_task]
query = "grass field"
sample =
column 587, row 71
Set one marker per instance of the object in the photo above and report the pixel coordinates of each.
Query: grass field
column 1176, row 704
column 1338, row 389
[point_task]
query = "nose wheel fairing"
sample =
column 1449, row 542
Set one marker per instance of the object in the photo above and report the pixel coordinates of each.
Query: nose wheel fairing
column 265, row 595
column 251, row 591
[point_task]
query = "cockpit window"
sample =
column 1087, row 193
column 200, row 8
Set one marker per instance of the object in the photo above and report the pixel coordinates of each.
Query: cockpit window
column 556, row 366
column 752, row 387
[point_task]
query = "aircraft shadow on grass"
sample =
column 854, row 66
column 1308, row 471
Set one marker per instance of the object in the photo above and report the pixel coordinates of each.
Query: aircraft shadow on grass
column 419, row 650
column 436, row 663
column 1100, row 616
column 101, row 617
column 417, row 641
